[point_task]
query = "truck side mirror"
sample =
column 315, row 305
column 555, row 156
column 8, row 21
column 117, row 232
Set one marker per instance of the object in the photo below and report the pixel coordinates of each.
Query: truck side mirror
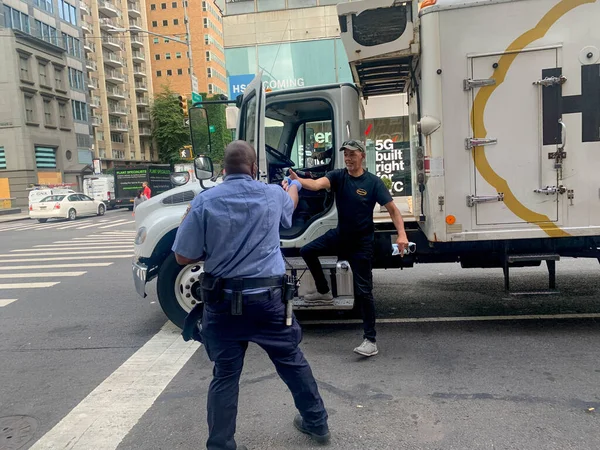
column 200, row 131
column 203, row 167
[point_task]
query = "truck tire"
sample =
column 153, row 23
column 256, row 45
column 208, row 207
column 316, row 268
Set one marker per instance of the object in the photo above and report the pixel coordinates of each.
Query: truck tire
column 42, row 220
column 176, row 287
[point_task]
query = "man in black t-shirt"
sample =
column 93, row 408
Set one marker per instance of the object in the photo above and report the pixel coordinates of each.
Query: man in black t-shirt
column 356, row 192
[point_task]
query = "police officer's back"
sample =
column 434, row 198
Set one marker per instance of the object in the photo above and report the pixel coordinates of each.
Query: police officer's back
column 234, row 228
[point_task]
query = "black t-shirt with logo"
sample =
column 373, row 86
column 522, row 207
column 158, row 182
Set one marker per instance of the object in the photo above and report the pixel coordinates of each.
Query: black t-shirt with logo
column 355, row 199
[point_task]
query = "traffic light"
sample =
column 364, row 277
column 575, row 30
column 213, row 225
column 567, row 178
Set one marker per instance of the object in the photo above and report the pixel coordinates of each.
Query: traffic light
column 183, row 105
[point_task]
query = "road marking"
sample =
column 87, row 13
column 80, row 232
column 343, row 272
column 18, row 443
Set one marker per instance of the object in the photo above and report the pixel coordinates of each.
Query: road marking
column 28, row 285
column 69, row 244
column 95, row 240
column 116, row 224
column 123, row 247
column 65, row 258
column 88, row 226
column 74, row 225
column 459, row 319
column 7, row 302
column 57, row 266
column 52, row 252
column 110, row 411
column 41, row 274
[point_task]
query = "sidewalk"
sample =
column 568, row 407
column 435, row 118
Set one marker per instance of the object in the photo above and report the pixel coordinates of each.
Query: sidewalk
column 13, row 217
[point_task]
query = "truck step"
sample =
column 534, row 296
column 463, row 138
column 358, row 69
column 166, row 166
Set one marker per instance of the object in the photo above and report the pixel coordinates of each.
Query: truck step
column 533, row 257
column 339, row 303
column 297, row 263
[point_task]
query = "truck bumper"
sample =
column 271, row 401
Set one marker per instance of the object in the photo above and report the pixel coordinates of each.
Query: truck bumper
column 140, row 272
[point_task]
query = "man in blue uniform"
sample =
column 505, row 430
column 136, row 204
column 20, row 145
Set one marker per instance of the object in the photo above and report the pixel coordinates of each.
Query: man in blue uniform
column 234, row 228
column 356, row 192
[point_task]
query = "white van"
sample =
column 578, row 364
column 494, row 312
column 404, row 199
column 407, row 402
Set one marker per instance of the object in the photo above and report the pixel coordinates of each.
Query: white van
column 101, row 188
column 38, row 193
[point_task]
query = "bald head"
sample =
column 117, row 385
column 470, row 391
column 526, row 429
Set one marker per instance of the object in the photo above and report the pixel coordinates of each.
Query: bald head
column 239, row 158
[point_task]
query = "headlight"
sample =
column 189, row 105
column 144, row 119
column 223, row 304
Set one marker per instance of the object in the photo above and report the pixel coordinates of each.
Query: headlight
column 140, row 237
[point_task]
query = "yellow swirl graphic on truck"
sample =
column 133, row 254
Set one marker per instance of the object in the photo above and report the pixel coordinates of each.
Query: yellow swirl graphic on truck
column 480, row 102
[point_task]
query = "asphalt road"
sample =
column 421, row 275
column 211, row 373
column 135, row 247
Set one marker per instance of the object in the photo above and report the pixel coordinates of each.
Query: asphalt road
column 86, row 364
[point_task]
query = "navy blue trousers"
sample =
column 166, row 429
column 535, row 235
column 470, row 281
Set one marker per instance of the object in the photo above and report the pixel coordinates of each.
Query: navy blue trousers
column 359, row 253
column 225, row 338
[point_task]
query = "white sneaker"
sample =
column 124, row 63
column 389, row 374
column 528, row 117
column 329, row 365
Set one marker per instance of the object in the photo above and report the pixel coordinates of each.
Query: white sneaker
column 317, row 297
column 367, row 348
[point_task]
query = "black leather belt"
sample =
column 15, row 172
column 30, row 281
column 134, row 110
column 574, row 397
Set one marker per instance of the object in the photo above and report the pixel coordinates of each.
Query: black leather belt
column 242, row 284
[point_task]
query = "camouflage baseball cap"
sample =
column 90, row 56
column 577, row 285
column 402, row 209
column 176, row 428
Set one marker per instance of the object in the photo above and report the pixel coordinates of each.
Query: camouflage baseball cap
column 353, row 145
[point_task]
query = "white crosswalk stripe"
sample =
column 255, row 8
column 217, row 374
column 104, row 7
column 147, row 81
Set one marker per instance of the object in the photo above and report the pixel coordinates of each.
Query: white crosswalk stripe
column 52, row 252
column 7, row 301
column 65, row 258
column 28, row 285
column 41, row 274
column 57, row 266
column 83, row 223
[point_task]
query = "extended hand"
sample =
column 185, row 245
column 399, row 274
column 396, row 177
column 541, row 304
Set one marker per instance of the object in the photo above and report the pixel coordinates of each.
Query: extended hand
column 293, row 175
column 402, row 242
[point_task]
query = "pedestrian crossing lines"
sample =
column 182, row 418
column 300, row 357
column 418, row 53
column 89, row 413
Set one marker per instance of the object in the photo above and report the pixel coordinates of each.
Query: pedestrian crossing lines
column 79, row 224
column 46, row 265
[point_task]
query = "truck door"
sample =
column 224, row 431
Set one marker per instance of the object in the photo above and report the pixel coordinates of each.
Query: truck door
column 514, row 162
column 251, row 121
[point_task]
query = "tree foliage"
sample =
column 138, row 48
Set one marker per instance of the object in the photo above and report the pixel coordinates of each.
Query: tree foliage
column 168, row 130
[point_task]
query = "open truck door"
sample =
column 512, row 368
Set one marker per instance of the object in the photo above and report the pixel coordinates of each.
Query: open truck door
column 251, row 121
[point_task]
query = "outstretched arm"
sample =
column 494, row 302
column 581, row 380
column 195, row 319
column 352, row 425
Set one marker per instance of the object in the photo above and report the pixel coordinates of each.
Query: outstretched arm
column 311, row 185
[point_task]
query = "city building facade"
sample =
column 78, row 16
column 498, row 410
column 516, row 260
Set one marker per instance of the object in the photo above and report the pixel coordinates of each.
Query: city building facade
column 44, row 128
column 117, row 55
column 171, row 60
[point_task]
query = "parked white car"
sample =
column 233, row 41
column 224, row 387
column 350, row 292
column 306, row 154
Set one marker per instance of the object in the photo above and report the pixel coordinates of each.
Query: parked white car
column 68, row 206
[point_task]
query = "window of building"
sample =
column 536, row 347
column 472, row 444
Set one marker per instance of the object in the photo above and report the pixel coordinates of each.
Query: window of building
column 179, row 71
column 203, row 6
column 178, row 55
column 175, row 21
column 167, row 41
column 153, row 7
column 205, row 21
column 163, row 6
column 159, row 73
column 173, row 4
column 58, row 78
column 169, row 72
column 155, row 40
column 43, row 70
column 62, row 115
column 117, row 137
column 29, row 108
column 80, row 111
column 45, row 157
column 76, row 79
column 167, row 56
column 210, row 88
column 67, row 12
column 100, row 135
column 16, row 19
column 304, row 3
column 154, row 23
column 208, row 56
column 157, row 57
column 165, row 23
column 2, row 158
column 270, row 5
column 46, row 5
column 48, row 116
column 209, row 72
column 24, row 67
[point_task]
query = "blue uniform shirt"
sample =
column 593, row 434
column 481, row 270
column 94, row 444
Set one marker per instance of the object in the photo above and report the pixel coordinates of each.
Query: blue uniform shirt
column 234, row 228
